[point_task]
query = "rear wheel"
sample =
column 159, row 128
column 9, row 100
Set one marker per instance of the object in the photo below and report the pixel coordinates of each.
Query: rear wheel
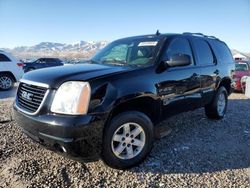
column 6, row 82
column 217, row 108
column 127, row 140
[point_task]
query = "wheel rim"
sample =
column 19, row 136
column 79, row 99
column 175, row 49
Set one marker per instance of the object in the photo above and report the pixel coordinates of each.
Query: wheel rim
column 221, row 105
column 128, row 141
column 5, row 82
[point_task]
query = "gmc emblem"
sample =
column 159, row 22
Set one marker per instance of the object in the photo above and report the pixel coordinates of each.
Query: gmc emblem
column 27, row 95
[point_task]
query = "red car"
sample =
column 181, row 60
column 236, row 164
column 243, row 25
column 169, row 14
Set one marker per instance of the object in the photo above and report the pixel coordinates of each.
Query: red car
column 242, row 70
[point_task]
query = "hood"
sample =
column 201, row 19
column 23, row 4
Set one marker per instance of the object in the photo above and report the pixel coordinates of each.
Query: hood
column 55, row 76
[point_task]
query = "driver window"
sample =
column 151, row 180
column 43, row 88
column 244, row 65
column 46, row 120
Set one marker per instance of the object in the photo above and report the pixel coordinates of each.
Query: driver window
column 41, row 61
column 178, row 46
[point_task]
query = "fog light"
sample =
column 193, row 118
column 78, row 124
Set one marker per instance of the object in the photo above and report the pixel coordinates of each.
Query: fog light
column 60, row 148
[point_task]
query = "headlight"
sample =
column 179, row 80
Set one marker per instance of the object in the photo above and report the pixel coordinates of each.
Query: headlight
column 72, row 98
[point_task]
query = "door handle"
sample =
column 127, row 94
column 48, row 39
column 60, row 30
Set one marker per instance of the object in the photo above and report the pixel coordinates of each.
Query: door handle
column 216, row 72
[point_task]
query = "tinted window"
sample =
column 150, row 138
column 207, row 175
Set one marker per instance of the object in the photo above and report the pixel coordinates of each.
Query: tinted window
column 179, row 46
column 50, row 61
column 4, row 58
column 203, row 51
column 54, row 61
column 241, row 67
column 221, row 51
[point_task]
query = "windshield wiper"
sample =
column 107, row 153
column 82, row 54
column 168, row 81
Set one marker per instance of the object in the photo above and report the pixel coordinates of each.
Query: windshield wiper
column 93, row 61
column 114, row 62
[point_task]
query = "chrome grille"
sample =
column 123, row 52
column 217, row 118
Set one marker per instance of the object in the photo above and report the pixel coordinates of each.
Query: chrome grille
column 30, row 97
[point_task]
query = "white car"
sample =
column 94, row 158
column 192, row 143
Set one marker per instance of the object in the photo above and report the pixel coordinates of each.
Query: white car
column 11, row 70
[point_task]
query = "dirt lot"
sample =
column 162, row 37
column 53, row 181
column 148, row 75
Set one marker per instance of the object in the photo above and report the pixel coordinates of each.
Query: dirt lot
column 198, row 153
column 5, row 95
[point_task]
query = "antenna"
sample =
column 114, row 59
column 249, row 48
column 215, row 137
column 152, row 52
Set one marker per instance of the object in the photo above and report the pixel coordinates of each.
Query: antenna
column 157, row 32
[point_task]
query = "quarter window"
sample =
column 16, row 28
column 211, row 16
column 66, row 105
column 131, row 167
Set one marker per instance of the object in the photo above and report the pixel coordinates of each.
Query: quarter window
column 204, row 53
column 4, row 58
column 221, row 51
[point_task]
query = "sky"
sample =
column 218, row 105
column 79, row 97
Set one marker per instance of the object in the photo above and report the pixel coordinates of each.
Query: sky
column 29, row 22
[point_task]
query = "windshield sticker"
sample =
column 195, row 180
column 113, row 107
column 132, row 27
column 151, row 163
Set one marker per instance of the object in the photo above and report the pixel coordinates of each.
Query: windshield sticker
column 148, row 43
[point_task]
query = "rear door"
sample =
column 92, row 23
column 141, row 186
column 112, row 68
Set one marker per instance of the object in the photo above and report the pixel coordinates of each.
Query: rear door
column 179, row 87
column 207, row 62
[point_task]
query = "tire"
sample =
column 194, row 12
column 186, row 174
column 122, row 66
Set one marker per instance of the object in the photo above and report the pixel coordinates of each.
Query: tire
column 6, row 82
column 217, row 108
column 114, row 153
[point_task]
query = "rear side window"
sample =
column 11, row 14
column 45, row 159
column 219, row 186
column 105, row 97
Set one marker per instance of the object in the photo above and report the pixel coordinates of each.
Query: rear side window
column 203, row 51
column 221, row 51
column 4, row 58
column 53, row 61
column 50, row 61
column 179, row 46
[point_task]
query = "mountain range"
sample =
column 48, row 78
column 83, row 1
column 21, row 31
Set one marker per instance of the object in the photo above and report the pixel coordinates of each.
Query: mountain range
column 234, row 52
column 79, row 50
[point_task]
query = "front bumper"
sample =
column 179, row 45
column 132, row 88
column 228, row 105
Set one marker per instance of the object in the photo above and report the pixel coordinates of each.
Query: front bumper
column 77, row 137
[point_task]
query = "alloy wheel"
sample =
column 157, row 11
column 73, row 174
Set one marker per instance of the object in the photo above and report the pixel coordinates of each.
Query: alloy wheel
column 5, row 82
column 128, row 141
column 221, row 104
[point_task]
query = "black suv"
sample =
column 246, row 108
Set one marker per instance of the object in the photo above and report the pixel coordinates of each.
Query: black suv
column 42, row 63
column 112, row 106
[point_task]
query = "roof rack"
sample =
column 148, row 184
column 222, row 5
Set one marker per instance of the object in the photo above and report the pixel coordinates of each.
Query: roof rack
column 200, row 35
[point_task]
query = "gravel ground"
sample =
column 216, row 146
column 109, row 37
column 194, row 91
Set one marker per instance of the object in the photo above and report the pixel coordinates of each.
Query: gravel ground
column 197, row 153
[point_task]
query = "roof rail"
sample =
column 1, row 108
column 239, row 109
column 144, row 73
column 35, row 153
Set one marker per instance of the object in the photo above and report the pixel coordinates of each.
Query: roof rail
column 200, row 35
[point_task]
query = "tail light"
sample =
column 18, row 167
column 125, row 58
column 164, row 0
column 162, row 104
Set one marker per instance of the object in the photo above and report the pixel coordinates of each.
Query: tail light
column 20, row 65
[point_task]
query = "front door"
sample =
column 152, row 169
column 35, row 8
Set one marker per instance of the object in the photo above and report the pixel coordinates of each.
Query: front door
column 179, row 87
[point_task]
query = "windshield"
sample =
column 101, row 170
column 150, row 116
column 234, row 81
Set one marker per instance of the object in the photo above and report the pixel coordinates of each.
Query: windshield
column 241, row 67
column 129, row 52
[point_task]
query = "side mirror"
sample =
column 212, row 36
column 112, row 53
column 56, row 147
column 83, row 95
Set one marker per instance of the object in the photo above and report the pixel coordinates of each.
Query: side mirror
column 178, row 60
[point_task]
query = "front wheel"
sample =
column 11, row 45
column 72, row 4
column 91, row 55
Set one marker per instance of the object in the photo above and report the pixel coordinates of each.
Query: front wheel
column 217, row 108
column 127, row 140
column 6, row 82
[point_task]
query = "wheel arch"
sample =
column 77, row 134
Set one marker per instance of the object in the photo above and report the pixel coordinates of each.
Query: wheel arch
column 9, row 73
column 226, row 82
column 145, row 104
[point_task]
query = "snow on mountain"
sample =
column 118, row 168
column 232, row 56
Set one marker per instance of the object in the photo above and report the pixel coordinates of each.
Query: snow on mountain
column 81, row 49
column 81, row 46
